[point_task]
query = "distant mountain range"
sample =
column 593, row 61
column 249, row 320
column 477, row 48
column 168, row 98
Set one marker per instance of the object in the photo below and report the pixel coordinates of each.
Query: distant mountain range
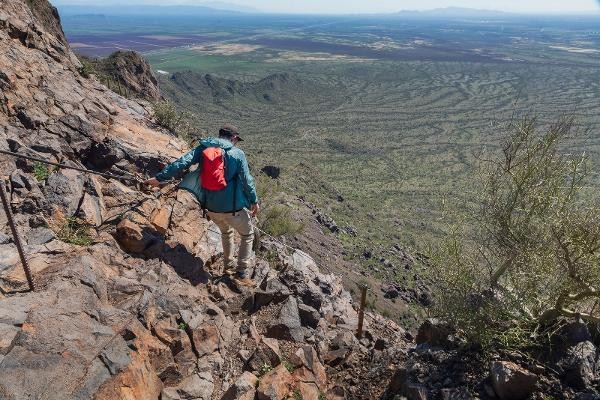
column 454, row 12
column 207, row 8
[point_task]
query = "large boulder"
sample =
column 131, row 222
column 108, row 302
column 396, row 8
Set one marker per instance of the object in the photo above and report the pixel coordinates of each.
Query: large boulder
column 287, row 325
column 512, row 382
column 136, row 236
column 64, row 189
column 276, row 384
column 580, row 365
column 244, row 388
column 435, row 333
column 266, row 353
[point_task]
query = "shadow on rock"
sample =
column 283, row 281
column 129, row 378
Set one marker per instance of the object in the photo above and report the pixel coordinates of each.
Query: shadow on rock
column 145, row 241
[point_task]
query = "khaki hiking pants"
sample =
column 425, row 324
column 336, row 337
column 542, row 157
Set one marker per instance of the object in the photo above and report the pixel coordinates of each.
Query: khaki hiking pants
column 228, row 224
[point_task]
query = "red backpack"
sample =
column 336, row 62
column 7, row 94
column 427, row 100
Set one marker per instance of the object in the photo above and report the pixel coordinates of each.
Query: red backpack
column 213, row 169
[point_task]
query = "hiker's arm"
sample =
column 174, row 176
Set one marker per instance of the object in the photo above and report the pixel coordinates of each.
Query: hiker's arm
column 247, row 181
column 187, row 160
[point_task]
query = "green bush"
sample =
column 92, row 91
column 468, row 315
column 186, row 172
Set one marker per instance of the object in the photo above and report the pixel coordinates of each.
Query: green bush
column 287, row 364
column 40, row 171
column 87, row 67
column 532, row 251
column 74, row 231
column 277, row 221
column 176, row 122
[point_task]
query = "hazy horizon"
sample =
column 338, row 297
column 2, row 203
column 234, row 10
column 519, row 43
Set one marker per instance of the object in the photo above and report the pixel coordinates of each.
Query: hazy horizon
column 359, row 6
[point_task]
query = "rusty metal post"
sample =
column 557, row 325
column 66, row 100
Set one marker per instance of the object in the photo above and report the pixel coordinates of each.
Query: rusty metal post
column 17, row 239
column 361, row 311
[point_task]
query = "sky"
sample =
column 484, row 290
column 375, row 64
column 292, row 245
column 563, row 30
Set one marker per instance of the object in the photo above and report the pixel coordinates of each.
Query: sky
column 378, row 6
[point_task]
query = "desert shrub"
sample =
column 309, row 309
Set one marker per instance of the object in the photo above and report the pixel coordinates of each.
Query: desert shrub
column 531, row 253
column 40, row 171
column 73, row 230
column 177, row 122
column 277, row 220
column 87, row 67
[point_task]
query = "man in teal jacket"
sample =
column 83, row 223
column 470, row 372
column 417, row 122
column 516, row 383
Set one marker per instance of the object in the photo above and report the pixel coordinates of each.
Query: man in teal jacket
column 231, row 208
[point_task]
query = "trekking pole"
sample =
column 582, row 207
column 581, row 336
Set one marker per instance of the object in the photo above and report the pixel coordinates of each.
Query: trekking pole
column 16, row 237
column 361, row 311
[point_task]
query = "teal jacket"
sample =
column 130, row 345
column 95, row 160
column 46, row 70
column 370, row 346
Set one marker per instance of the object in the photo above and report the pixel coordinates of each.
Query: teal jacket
column 240, row 191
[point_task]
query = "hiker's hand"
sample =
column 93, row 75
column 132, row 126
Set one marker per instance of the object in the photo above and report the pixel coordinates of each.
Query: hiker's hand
column 152, row 182
column 254, row 210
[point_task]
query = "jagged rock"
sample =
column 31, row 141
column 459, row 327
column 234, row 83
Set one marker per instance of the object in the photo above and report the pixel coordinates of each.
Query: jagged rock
column 244, row 388
column 309, row 317
column 135, row 238
column 435, row 333
column 64, row 189
column 390, row 291
column 39, row 236
column 161, row 219
column 287, row 326
column 206, row 339
column 275, row 384
column 402, row 385
column 91, row 210
column 310, row 368
column 132, row 72
column 181, row 348
column 336, row 393
column 572, row 333
column 579, row 365
column 7, row 335
column 197, row 386
column 308, row 391
column 116, row 357
column 170, row 393
column 510, row 381
column 266, row 353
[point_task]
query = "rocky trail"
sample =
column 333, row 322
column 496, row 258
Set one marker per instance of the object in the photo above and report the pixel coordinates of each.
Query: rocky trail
column 131, row 299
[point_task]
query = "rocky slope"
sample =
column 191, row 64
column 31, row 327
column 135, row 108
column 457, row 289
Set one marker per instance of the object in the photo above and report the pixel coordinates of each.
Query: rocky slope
column 130, row 301
column 126, row 73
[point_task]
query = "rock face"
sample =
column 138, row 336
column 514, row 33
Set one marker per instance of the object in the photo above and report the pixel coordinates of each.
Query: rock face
column 129, row 72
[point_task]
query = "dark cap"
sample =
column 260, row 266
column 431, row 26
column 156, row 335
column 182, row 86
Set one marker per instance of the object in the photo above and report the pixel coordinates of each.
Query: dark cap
column 229, row 131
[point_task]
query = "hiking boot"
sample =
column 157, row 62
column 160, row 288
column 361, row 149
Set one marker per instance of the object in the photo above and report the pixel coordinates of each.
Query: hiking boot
column 246, row 282
column 229, row 271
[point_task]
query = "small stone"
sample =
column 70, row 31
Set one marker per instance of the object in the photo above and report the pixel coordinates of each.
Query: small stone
column 4, row 239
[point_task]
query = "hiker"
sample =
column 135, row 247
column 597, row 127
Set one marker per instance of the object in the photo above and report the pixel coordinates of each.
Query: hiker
column 225, row 189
